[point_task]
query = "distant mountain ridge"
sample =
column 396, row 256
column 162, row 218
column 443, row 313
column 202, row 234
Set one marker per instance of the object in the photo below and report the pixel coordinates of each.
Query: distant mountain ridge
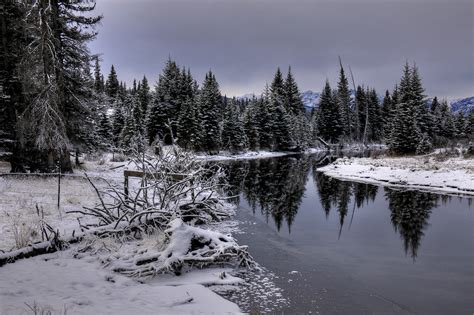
column 464, row 104
column 311, row 100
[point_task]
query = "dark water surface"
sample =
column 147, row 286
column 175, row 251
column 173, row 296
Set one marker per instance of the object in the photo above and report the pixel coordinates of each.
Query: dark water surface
column 339, row 247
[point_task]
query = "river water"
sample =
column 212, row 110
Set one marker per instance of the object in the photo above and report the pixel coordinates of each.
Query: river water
column 340, row 247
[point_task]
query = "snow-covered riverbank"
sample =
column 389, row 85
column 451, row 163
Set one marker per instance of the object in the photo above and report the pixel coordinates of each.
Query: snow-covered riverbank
column 81, row 284
column 226, row 156
column 60, row 284
column 427, row 173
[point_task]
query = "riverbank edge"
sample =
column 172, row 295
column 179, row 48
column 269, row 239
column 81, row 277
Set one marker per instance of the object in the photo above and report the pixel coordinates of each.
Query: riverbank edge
column 453, row 176
column 250, row 155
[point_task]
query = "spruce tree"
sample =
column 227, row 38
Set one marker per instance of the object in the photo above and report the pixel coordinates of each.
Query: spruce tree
column 386, row 112
column 344, row 103
column 361, row 101
column 188, row 129
column 208, row 115
column 424, row 119
column 251, row 125
column 187, row 124
column 375, row 116
column 233, row 133
column 112, row 86
column 104, row 131
column 118, row 121
column 12, row 100
column 144, row 96
column 447, row 123
column 98, row 78
column 280, row 117
column 329, row 122
column 405, row 135
column 470, row 127
column 165, row 107
column 57, row 80
column 461, row 125
column 294, row 104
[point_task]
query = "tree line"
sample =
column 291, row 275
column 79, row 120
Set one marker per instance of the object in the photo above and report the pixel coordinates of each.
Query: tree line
column 55, row 100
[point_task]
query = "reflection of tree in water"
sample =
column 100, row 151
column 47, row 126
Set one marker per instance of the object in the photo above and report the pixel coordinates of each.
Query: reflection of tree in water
column 334, row 193
column 275, row 185
column 410, row 211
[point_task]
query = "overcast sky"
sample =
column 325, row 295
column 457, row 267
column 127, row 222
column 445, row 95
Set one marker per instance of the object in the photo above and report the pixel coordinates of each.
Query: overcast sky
column 244, row 41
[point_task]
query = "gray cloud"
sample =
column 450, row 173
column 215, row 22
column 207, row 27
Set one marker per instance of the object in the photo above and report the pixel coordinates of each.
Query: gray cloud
column 243, row 41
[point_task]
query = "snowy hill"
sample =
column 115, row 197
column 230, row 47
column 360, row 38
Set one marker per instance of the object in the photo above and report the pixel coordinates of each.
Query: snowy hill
column 465, row 104
column 311, row 99
column 248, row 96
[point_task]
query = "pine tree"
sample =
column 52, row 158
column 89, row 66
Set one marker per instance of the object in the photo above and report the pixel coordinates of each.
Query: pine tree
column 301, row 132
column 127, row 133
column 208, row 115
column 470, row 126
column 165, row 107
column 294, row 104
column 387, row 110
column 424, row 119
column 344, row 103
column 112, row 86
column 134, row 87
column 263, row 121
column 425, row 146
column 434, row 105
column 447, row 124
column 188, row 128
column 57, row 79
column 329, row 122
column 104, row 131
column 118, row 122
column 361, row 101
column 405, row 135
column 461, row 124
column 251, row 126
column 281, row 118
column 12, row 99
column 375, row 119
column 144, row 96
column 233, row 133
column 98, row 78
column 187, row 124
column 131, row 137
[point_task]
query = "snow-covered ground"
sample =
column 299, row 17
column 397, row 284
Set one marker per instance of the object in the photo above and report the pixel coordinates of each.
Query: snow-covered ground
column 225, row 156
column 58, row 282
column 64, row 280
column 427, row 173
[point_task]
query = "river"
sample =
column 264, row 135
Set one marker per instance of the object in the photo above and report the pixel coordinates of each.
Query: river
column 339, row 247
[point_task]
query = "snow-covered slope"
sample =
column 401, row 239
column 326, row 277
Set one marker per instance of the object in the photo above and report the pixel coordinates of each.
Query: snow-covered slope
column 311, row 99
column 248, row 96
column 465, row 104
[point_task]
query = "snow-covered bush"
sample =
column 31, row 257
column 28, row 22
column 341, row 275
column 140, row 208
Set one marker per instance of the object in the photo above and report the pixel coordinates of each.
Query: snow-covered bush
column 176, row 199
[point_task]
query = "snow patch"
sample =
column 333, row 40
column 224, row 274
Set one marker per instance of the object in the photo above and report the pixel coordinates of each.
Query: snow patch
column 453, row 176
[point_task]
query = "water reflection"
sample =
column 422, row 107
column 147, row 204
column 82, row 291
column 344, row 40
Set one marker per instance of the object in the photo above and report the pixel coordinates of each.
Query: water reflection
column 334, row 193
column 409, row 214
column 276, row 187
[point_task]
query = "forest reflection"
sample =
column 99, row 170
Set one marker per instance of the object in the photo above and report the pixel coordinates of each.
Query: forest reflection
column 276, row 188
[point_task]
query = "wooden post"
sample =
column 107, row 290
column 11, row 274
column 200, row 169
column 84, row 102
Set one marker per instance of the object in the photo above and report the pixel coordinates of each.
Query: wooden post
column 59, row 183
column 125, row 185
